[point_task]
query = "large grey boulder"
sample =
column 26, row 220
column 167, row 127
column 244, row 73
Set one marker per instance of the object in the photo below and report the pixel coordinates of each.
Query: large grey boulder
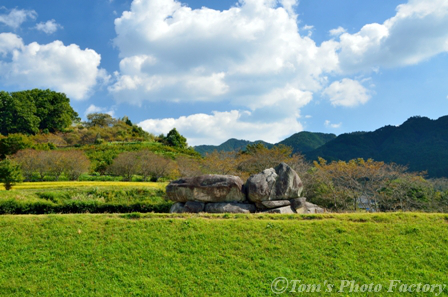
column 299, row 204
column 194, row 206
column 281, row 210
column 206, row 188
column 313, row 208
column 272, row 204
column 230, row 207
column 279, row 183
column 177, row 207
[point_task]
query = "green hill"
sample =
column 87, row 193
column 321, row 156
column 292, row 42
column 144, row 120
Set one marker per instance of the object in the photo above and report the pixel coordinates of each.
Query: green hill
column 229, row 146
column 300, row 142
column 303, row 142
column 420, row 143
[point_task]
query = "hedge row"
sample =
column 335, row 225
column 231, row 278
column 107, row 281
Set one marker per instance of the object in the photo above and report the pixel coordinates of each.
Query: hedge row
column 13, row 206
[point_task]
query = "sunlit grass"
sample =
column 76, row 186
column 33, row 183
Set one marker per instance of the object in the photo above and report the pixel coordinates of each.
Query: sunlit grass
column 78, row 184
column 217, row 255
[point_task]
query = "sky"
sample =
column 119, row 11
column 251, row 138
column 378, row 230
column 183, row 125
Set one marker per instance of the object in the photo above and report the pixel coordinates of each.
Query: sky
column 219, row 69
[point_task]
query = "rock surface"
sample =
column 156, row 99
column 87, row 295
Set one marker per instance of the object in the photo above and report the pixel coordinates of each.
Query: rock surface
column 274, row 203
column 177, row 207
column 194, row 207
column 281, row 210
column 279, row 183
column 274, row 190
column 206, row 188
column 230, row 208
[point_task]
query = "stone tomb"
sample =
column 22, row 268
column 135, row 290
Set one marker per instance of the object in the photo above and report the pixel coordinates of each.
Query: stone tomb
column 275, row 190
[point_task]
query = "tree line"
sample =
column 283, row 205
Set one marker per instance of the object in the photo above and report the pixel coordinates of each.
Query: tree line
column 356, row 185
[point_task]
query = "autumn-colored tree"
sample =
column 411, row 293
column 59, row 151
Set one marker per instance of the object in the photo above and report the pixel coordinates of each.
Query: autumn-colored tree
column 257, row 157
column 155, row 166
column 225, row 163
column 125, row 164
column 71, row 163
column 189, row 166
column 28, row 161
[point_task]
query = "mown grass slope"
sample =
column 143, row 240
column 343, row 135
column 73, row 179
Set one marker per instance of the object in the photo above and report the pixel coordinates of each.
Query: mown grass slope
column 82, row 197
column 216, row 255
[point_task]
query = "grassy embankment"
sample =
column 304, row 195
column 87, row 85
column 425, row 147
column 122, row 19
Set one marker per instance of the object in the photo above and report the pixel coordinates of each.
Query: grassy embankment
column 81, row 197
column 217, row 255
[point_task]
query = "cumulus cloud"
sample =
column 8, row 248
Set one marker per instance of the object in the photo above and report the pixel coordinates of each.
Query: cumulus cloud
column 49, row 27
column 172, row 52
column 67, row 69
column 417, row 32
column 96, row 109
column 338, row 31
column 328, row 124
column 9, row 42
column 220, row 126
column 16, row 17
column 347, row 92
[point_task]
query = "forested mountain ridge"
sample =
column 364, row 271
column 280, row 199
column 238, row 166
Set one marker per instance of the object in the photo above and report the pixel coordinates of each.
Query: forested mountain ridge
column 300, row 142
column 231, row 145
column 419, row 143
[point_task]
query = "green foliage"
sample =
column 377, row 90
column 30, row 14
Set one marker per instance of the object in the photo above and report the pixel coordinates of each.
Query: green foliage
column 29, row 111
column 80, row 200
column 241, row 255
column 13, row 143
column 231, row 145
column 419, row 143
column 10, row 173
column 174, row 139
column 303, row 142
column 18, row 113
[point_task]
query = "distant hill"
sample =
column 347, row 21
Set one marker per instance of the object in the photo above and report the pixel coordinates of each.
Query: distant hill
column 300, row 142
column 419, row 143
column 303, row 142
column 230, row 145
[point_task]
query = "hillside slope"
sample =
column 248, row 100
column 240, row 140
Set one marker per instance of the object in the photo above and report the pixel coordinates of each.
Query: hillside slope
column 230, row 145
column 419, row 143
column 300, row 142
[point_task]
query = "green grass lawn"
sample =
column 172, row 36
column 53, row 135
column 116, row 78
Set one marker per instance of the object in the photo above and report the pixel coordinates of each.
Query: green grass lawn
column 82, row 197
column 217, row 255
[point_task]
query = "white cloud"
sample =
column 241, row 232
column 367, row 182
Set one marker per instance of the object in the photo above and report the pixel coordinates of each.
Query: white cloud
column 338, row 31
column 328, row 124
column 417, row 32
column 9, row 42
column 175, row 53
column 96, row 109
column 347, row 92
column 220, row 126
column 16, row 17
column 67, row 69
column 49, row 27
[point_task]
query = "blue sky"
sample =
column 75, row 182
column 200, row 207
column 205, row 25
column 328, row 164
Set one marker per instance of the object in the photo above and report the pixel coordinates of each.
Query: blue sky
column 252, row 69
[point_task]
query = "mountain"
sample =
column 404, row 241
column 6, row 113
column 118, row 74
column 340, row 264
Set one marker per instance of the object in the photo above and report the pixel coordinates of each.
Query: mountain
column 420, row 143
column 300, row 142
column 303, row 142
column 228, row 146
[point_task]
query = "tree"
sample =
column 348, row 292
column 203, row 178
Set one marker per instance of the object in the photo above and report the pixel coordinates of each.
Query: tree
column 28, row 161
column 18, row 114
column 52, row 108
column 10, row 173
column 173, row 138
column 101, row 120
column 154, row 165
column 188, row 166
column 13, row 143
column 257, row 157
column 125, row 164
